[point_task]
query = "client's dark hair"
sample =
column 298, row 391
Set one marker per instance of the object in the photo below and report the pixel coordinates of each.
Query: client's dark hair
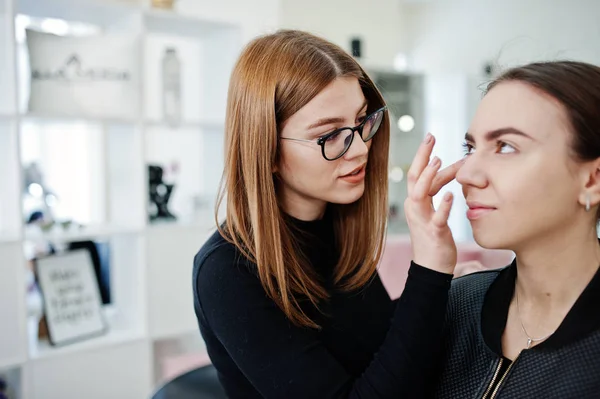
column 575, row 85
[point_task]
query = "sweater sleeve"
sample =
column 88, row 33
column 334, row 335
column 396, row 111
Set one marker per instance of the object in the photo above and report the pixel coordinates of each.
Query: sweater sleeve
column 284, row 361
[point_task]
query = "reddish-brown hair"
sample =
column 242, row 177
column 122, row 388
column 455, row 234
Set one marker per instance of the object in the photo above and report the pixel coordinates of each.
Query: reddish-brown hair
column 275, row 76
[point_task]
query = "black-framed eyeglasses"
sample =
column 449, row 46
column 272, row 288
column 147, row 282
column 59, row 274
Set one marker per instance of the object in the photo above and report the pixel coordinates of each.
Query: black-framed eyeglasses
column 335, row 144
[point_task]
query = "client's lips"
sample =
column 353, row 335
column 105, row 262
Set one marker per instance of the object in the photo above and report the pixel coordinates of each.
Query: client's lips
column 478, row 210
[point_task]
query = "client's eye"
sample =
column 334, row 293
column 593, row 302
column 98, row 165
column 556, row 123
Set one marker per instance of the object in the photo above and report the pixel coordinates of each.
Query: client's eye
column 505, row 148
column 468, row 148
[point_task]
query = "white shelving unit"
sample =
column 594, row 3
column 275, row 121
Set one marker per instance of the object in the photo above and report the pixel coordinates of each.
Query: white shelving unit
column 98, row 170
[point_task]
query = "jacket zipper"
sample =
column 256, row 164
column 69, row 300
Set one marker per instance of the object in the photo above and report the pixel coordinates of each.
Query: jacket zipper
column 502, row 378
column 489, row 388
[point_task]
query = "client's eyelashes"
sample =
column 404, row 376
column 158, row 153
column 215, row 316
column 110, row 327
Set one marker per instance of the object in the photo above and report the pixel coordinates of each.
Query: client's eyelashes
column 468, row 148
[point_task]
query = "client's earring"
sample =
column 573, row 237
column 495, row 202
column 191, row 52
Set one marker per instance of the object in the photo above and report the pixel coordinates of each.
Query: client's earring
column 587, row 202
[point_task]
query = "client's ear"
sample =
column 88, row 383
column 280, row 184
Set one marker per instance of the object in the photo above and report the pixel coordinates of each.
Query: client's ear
column 591, row 192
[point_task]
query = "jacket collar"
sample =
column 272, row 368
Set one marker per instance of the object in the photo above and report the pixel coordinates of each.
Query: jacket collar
column 582, row 319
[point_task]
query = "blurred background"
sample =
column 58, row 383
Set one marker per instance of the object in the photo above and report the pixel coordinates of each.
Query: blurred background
column 111, row 150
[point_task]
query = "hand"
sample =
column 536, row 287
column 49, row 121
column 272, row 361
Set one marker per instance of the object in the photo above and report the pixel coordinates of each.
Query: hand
column 431, row 239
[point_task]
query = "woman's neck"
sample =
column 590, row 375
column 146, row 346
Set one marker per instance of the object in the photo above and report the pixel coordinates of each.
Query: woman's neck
column 303, row 208
column 553, row 272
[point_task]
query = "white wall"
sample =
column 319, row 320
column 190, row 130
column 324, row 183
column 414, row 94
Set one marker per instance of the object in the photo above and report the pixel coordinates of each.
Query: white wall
column 376, row 22
column 256, row 17
column 461, row 35
column 451, row 40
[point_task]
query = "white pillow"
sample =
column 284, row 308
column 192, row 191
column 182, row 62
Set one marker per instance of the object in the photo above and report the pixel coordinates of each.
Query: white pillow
column 92, row 76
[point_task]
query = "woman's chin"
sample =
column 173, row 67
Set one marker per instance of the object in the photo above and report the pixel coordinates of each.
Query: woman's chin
column 488, row 241
column 348, row 196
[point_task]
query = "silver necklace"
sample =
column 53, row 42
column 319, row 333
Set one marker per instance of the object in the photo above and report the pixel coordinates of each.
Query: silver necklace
column 529, row 339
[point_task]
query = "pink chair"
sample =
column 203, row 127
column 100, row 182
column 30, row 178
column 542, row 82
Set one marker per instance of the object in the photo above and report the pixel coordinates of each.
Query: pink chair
column 174, row 366
column 394, row 264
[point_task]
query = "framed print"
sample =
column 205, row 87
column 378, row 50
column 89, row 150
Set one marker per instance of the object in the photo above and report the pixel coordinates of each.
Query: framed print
column 72, row 302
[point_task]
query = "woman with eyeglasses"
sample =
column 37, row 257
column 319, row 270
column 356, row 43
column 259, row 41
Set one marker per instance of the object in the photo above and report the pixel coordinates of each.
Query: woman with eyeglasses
column 286, row 292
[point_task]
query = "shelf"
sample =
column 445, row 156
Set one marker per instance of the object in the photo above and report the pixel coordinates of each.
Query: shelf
column 108, row 12
column 49, row 118
column 9, row 237
column 96, row 174
column 44, row 350
column 94, row 171
column 103, row 13
column 13, row 376
column 175, row 248
column 12, row 305
column 85, row 233
column 5, row 117
column 7, row 67
column 11, row 363
column 188, row 125
column 207, row 226
column 172, row 22
column 10, row 220
column 119, row 369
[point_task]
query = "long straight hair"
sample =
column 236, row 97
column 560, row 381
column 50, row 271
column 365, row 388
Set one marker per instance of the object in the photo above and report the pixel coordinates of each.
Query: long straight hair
column 275, row 76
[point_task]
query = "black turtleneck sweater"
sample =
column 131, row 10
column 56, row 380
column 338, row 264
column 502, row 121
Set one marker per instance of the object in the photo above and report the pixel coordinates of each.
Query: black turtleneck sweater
column 368, row 346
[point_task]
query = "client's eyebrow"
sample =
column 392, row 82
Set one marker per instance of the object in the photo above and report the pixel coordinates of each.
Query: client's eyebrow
column 329, row 121
column 496, row 134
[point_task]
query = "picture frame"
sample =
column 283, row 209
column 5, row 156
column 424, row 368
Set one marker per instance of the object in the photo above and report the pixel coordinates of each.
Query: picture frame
column 71, row 296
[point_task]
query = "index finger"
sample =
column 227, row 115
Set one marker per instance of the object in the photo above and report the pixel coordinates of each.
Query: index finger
column 420, row 161
column 445, row 176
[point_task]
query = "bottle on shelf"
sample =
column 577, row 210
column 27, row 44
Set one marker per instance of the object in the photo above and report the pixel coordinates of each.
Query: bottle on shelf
column 171, row 88
column 164, row 4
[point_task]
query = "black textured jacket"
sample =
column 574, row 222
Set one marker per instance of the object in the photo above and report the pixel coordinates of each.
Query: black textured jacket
column 566, row 365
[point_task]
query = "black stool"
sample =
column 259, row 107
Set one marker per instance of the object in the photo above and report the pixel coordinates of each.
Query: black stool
column 201, row 383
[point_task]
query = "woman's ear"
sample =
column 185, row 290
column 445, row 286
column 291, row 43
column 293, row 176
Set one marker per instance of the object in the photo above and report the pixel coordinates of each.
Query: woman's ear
column 591, row 192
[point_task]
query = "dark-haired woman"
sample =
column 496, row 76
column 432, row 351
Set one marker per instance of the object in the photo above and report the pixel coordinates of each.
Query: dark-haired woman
column 531, row 179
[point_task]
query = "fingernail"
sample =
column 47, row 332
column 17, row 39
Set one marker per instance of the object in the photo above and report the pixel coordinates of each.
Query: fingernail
column 428, row 138
column 448, row 197
column 434, row 161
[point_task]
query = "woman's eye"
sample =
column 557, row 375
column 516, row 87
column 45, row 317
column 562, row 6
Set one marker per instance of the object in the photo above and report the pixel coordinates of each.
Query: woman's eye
column 333, row 136
column 501, row 147
column 505, row 148
column 468, row 148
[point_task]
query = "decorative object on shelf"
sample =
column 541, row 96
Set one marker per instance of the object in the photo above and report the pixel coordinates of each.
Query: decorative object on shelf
column 99, row 252
column 38, row 198
column 91, row 76
column 159, row 195
column 72, row 301
column 35, row 305
column 171, row 87
column 164, row 4
column 3, row 389
column 355, row 45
